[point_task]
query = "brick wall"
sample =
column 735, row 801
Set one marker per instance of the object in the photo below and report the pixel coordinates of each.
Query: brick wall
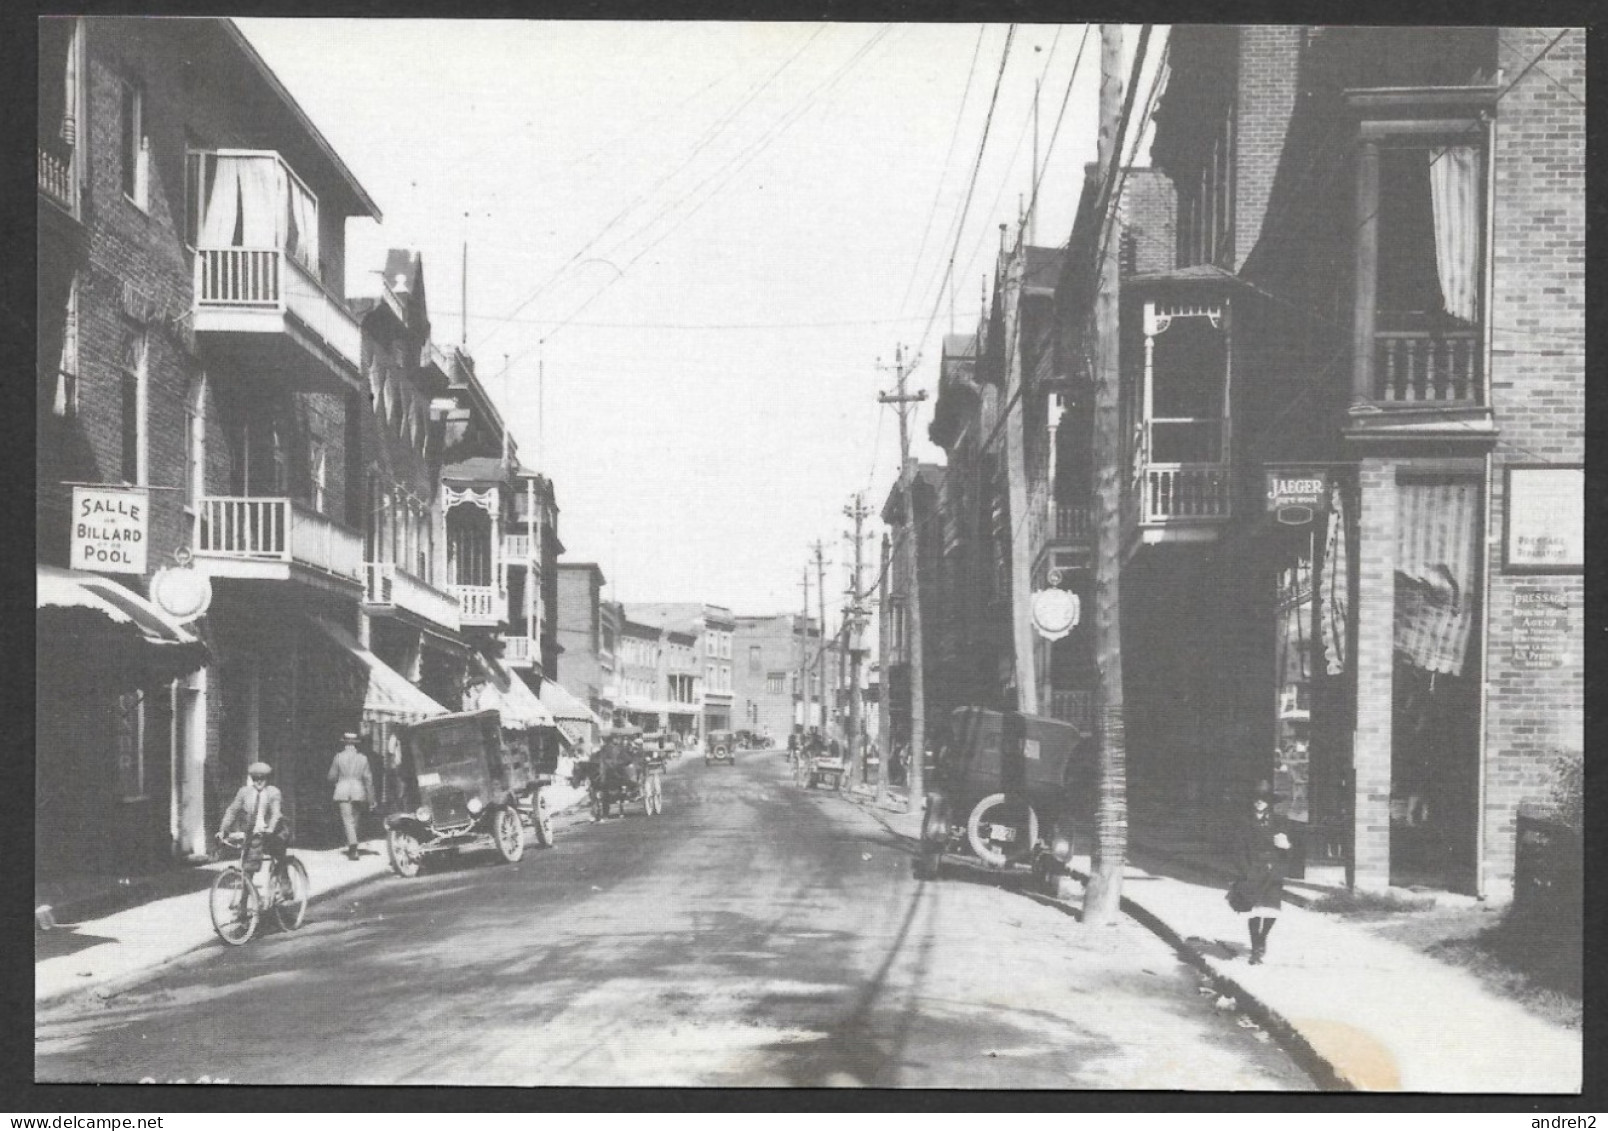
column 1149, row 206
column 1538, row 393
column 1268, row 58
column 778, row 644
column 576, row 629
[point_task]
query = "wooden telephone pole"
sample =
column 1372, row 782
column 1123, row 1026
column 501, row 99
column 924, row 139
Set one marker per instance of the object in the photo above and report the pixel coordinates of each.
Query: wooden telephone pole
column 912, row 558
column 804, row 661
column 857, row 512
column 1102, row 899
column 820, row 597
column 884, row 724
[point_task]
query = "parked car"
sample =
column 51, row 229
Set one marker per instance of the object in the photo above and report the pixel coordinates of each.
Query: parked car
column 1007, row 789
column 720, row 746
column 465, row 787
column 826, row 765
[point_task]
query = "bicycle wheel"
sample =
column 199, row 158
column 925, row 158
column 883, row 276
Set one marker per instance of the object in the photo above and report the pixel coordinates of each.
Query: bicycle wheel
column 235, row 906
column 290, row 896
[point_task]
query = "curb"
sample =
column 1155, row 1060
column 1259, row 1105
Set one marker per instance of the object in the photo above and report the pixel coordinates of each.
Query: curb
column 122, row 983
column 1323, row 1072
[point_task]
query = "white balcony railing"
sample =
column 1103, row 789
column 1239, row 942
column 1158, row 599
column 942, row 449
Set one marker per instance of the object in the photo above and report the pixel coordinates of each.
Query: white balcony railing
column 516, row 547
column 388, row 587
column 249, row 528
column 1075, row 707
column 1074, row 522
column 478, row 604
column 1427, row 368
column 270, row 279
column 518, row 651
column 1184, row 492
column 56, row 178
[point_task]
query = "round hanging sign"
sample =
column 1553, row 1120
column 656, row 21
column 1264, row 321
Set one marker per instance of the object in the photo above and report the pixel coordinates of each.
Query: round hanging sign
column 183, row 592
column 1055, row 612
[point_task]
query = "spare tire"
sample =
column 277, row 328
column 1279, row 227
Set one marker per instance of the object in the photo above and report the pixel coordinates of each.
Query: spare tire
column 1011, row 812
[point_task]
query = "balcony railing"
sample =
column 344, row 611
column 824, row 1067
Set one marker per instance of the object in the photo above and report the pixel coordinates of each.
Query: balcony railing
column 516, row 547
column 270, row 279
column 478, row 604
column 1075, row 707
column 1183, row 492
column 250, row 528
column 1074, row 522
column 518, row 651
column 1427, row 368
column 56, row 178
column 388, row 587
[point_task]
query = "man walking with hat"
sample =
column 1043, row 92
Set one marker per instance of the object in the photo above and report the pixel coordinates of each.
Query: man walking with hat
column 354, row 786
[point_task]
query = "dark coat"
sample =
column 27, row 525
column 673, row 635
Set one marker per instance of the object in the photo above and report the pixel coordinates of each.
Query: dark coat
column 1260, row 863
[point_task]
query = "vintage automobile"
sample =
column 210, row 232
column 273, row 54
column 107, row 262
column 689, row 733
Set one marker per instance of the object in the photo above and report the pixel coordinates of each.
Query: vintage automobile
column 1007, row 789
column 720, row 746
column 825, row 766
column 469, row 784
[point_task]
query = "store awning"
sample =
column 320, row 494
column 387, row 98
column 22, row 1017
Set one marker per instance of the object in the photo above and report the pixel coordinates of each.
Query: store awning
column 577, row 722
column 389, row 697
column 500, row 690
column 91, row 628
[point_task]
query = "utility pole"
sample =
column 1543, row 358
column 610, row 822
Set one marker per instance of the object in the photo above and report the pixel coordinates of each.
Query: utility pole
column 1101, row 900
column 820, row 596
column 804, row 659
column 884, row 731
column 1021, row 528
column 912, row 557
column 857, row 512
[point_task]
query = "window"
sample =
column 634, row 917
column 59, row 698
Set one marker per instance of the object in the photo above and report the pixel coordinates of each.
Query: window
column 131, row 745
column 134, row 382
column 320, row 475
column 135, row 146
column 280, row 452
column 64, row 402
column 1206, row 202
column 775, row 683
column 755, row 659
column 195, row 448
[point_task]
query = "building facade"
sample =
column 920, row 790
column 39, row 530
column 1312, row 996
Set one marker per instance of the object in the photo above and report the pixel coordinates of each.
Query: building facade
column 1350, row 391
column 585, row 635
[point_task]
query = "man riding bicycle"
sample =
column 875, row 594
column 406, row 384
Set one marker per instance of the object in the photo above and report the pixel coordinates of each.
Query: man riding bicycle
column 257, row 811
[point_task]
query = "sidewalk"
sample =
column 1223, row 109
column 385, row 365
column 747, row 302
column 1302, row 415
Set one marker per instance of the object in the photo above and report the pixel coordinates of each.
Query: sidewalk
column 105, row 939
column 1376, row 1014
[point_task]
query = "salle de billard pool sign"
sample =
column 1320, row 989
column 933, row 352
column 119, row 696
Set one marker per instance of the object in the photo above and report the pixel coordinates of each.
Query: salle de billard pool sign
column 1296, row 497
column 110, row 527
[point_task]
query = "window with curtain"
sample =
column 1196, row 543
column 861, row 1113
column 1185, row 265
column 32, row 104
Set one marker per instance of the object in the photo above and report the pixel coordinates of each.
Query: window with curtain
column 133, row 381
column 134, row 146
column 320, row 463
column 1431, row 227
column 65, row 399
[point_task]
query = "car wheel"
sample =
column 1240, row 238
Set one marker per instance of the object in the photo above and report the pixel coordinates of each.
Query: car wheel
column 541, row 820
column 1010, row 812
column 406, row 855
column 509, row 834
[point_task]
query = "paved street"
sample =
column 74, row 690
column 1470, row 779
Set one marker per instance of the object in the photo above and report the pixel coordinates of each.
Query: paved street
column 752, row 935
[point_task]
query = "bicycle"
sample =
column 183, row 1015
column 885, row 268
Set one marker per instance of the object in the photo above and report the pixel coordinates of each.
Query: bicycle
column 236, row 904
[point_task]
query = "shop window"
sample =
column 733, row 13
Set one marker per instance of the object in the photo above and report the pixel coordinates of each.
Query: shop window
column 131, row 746
column 135, row 146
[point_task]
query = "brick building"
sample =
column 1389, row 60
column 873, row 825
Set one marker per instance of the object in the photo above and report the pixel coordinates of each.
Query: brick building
column 1368, row 331
column 765, row 686
column 585, row 635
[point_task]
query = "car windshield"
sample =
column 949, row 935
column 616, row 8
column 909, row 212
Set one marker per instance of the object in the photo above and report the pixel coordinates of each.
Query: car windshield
column 444, row 747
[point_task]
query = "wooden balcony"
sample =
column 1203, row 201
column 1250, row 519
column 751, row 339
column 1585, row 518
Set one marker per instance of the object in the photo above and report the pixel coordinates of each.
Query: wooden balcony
column 276, row 539
column 56, row 181
column 1075, row 707
column 1181, row 493
column 517, row 548
column 479, row 604
column 266, row 311
column 1424, row 368
column 519, row 651
column 389, row 589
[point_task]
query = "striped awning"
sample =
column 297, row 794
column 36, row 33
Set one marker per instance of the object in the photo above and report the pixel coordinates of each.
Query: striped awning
column 577, row 722
column 389, row 696
column 501, row 690
column 1437, row 530
column 90, row 628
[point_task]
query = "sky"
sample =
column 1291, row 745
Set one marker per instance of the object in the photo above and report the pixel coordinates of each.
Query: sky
column 690, row 246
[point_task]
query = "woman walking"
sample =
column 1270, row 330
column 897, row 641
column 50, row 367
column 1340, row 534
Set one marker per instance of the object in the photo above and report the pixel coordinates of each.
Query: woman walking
column 1258, row 893
column 354, row 786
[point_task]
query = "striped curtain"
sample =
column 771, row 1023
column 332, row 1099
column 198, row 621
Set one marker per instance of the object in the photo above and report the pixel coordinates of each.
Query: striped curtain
column 1436, row 543
column 1334, row 587
column 1454, row 190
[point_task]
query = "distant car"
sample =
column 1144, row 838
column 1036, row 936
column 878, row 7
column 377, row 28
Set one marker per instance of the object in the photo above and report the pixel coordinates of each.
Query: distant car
column 825, row 766
column 720, row 746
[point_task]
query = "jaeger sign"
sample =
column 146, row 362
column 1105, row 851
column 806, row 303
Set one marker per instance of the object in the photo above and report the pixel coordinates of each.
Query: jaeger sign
column 1295, row 497
column 111, row 526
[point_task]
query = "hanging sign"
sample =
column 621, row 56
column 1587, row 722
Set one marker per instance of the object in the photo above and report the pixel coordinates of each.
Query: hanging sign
column 182, row 591
column 110, row 528
column 1546, row 509
column 1056, row 612
column 1296, row 497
